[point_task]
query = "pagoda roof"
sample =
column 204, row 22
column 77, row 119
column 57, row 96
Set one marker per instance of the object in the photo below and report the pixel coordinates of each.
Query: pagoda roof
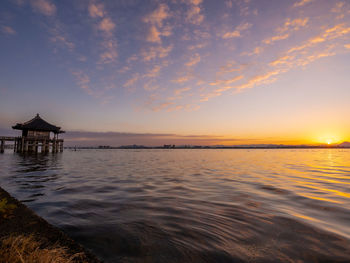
column 37, row 124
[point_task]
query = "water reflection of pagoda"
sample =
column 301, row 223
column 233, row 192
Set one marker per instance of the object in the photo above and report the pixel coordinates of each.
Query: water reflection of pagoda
column 35, row 134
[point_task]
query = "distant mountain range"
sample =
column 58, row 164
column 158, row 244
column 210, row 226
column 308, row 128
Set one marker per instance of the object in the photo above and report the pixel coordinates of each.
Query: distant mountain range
column 344, row 144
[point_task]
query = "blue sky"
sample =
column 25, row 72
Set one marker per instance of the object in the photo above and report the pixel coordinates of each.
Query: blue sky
column 244, row 70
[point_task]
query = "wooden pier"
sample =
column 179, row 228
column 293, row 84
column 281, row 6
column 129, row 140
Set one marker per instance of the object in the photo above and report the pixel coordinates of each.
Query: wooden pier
column 35, row 136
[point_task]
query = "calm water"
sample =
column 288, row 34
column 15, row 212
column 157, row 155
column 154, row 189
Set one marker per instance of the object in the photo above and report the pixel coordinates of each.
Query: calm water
column 192, row 205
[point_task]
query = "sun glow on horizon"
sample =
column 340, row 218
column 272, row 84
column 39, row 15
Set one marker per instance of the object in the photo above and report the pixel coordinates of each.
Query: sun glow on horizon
column 330, row 139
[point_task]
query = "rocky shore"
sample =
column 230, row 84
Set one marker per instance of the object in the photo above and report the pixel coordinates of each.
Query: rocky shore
column 28, row 237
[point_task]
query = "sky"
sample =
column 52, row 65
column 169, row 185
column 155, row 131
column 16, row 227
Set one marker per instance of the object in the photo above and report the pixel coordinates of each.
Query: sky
column 152, row 72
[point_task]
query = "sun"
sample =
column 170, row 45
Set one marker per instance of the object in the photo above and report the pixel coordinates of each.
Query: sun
column 329, row 138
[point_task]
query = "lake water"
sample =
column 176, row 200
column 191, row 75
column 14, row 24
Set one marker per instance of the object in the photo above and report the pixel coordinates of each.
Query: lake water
column 276, row 205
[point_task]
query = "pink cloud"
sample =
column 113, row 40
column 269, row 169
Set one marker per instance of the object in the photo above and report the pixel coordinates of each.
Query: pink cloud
column 106, row 25
column 45, row 7
column 96, row 10
column 8, row 30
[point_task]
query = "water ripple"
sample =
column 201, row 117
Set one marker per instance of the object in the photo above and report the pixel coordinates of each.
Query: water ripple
column 192, row 205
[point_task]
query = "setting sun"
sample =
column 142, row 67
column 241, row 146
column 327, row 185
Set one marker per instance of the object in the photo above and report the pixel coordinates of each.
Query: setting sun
column 330, row 138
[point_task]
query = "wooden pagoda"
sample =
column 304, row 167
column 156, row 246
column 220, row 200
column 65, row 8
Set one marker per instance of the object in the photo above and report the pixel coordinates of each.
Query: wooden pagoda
column 36, row 134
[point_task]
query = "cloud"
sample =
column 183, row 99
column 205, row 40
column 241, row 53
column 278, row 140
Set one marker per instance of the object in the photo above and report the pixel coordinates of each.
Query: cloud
column 183, row 79
column 156, row 52
column 106, row 25
column 132, row 80
column 327, row 35
column 153, row 35
column 83, row 81
column 256, row 51
column 155, row 19
column 281, row 60
column 194, row 15
column 149, row 86
column 153, row 72
column 238, row 31
column 195, row 59
column 110, row 54
column 62, row 40
column 226, row 81
column 265, row 78
column 206, row 97
column 231, row 66
column 289, row 26
column 45, row 7
column 158, row 15
column 96, row 10
column 181, row 90
column 85, row 138
column 294, row 24
column 162, row 106
column 298, row 56
column 270, row 40
column 8, row 30
column 338, row 7
column 301, row 3
column 197, row 46
column 229, row 3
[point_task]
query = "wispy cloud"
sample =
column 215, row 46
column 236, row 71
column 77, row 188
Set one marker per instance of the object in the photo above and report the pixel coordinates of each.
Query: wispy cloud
column 156, row 52
column 300, row 3
column 45, row 7
column 226, row 81
column 135, row 77
column 206, row 97
column 327, row 35
column 85, row 138
column 153, row 72
column 293, row 24
column 62, row 40
column 289, row 26
column 106, row 26
column 197, row 46
column 156, row 24
column 83, row 81
column 181, row 90
column 231, row 66
column 96, row 10
column 183, row 78
column 237, row 32
column 195, row 59
column 8, row 30
column 194, row 14
column 270, row 40
column 150, row 86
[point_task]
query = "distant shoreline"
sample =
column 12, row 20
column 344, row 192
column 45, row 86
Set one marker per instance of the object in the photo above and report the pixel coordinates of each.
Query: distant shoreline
column 202, row 147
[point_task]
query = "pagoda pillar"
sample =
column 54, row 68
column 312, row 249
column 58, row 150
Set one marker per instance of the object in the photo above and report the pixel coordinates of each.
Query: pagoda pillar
column 43, row 146
column 2, row 147
column 53, row 145
column 26, row 146
column 36, row 146
column 22, row 144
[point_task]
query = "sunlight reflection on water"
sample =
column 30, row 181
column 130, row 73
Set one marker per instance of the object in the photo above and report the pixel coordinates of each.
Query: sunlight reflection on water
column 191, row 205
